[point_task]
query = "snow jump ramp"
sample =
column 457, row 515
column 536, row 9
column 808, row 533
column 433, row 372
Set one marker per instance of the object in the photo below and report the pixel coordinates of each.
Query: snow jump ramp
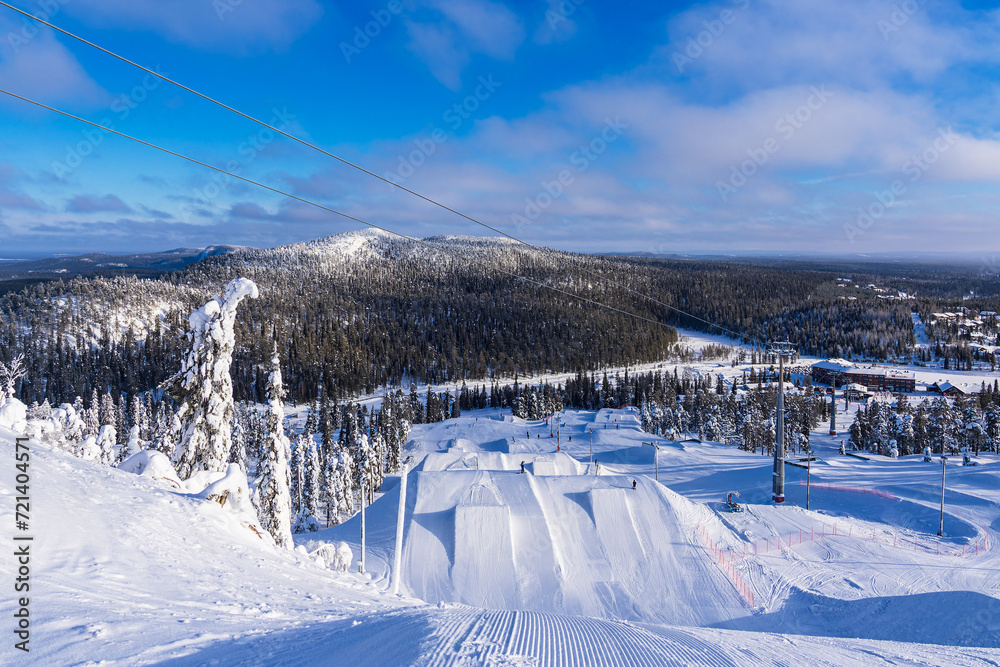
column 572, row 544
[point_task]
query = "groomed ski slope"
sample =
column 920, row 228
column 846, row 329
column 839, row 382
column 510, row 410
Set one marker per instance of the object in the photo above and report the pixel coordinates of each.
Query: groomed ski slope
column 455, row 635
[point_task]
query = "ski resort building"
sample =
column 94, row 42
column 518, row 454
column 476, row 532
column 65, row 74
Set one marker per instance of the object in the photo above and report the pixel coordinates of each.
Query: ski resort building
column 954, row 389
column 836, row 372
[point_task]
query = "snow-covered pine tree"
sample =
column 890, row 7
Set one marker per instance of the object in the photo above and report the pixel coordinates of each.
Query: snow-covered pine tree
column 329, row 477
column 107, row 414
column 135, row 444
column 10, row 375
column 369, row 469
column 138, row 416
column 121, row 422
column 238, row 449
column 107, row 439
column 92, row 416
column 416, row 412
column 387, row 426
column 311, row 480
column 326, row 428
column 203, row 388
column 296, row 467
column 344, row 485
column 273, row 498
column 312, row 418
column 348, row 439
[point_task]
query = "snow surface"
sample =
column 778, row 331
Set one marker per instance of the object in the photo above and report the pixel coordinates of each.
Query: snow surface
column 557, row 566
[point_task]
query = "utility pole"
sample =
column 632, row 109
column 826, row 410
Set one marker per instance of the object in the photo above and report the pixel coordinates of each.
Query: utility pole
column 361, row 563
column 808, row 477
column 778, row 476
column 397, row 560
column 944, row 464
column 592, row 446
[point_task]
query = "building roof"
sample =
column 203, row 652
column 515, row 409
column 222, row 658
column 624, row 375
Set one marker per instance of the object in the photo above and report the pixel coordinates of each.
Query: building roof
column 839, row 365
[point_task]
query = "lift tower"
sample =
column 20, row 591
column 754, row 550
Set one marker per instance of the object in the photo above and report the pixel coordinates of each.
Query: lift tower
column 783, row 350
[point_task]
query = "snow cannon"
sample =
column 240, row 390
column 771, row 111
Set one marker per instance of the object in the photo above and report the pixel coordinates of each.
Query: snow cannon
column 731, row 503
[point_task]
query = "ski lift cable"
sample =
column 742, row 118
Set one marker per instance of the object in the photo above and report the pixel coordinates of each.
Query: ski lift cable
column 357, row 166
column 326, row 208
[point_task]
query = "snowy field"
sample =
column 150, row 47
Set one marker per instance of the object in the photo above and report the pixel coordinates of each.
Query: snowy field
column 556, row 566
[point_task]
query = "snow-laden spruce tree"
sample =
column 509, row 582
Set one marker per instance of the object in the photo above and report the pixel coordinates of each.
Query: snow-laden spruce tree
column 204, row 387
column 274, row 501
column 238, row 448
column 311, row 481
column 10, row 374
column 106, row 439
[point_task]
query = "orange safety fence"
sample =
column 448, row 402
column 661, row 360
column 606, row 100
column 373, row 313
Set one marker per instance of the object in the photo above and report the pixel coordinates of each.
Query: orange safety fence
column 895, row 539
column 725, row 561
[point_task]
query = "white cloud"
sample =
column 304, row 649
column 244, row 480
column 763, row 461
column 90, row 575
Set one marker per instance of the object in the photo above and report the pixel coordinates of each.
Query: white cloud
column 34, row 64
column 437, row 46
column 452, row 31
column 231, row 26
column 781, row 42
column 487, row 27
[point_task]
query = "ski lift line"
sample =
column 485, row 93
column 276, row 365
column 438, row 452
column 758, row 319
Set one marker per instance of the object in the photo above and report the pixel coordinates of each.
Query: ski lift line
column 322, row 207
column 351, row 164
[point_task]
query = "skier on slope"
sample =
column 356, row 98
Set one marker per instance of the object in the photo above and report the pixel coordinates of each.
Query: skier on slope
column 522, row 467
column 633, row 485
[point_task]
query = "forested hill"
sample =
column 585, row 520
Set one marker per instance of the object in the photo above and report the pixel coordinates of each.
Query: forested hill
column 359, row 310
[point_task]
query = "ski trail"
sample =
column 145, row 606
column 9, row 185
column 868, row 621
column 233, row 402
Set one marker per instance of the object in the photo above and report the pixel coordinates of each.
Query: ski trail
column 483, row 637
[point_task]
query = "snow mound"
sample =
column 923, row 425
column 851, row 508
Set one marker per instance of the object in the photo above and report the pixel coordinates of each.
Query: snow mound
column 231, row 491
column 335, row 556
column 153, row 464
column 14, row 415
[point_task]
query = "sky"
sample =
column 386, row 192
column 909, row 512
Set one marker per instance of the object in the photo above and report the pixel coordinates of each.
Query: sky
column 742, row 126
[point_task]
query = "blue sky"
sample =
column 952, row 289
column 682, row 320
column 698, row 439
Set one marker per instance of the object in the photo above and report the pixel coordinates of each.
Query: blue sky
column 742, row 126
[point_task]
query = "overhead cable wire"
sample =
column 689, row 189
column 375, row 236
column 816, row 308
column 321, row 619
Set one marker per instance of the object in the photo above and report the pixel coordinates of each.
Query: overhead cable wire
column 356, row 166
column 326, row 208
